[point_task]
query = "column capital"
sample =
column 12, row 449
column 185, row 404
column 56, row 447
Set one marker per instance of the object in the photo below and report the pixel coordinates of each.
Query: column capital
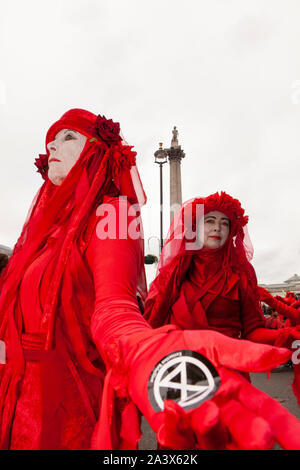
column 175, row 153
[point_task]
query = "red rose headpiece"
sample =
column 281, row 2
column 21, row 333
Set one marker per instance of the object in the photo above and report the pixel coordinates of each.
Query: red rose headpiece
column 106, row 130
column 42, row 165
column 231, row 207
column 88, row 124
column 97, row 129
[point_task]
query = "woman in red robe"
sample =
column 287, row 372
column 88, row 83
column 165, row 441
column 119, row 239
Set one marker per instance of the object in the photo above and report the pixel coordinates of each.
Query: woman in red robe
column 51, row 386
column 212, row 285
column 80, row 355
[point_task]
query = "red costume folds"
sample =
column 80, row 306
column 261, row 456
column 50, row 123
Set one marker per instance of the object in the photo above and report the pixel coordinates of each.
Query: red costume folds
column 79, row 353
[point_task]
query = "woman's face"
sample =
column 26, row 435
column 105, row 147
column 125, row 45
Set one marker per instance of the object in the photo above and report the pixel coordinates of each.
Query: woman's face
column 64, row 152
column 216, row 229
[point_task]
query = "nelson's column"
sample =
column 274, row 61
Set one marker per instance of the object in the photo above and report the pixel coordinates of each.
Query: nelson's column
column 175, row 155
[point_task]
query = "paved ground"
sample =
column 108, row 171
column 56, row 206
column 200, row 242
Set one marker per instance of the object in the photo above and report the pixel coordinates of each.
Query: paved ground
column 278, row 386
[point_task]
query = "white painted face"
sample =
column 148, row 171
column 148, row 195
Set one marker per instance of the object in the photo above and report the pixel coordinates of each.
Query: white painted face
column 216, row 229
column 64, row 153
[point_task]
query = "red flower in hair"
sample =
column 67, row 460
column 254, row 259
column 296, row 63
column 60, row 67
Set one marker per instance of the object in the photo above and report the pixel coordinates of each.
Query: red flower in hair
column 223, row 202
column 42, row 165
column 123, row 157
column 106, row 129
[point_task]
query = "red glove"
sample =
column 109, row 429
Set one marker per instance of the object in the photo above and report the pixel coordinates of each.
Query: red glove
column 237, row 416
column 286, row 336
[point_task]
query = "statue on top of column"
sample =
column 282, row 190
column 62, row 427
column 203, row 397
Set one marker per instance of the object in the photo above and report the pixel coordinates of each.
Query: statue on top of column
column 174, row 142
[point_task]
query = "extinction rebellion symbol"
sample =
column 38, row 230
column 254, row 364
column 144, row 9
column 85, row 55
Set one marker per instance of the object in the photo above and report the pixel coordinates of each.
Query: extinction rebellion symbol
column 184, row 376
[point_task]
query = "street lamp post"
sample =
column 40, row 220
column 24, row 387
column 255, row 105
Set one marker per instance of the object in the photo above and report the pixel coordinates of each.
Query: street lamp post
column 161, row 158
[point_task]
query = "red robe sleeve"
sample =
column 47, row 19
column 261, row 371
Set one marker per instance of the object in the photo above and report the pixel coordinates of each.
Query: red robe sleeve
column 115, row 263
column 254, row 323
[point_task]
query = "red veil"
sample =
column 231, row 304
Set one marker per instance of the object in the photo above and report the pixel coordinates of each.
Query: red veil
column 106, row 167
column 183, row 244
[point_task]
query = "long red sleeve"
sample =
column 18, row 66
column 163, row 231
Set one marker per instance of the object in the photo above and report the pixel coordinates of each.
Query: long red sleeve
column 282, row 337
column 115, row 264
column 264, row 335
column 260, row 334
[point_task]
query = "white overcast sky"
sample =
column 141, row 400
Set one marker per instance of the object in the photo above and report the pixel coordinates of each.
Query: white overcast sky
column 225, row 72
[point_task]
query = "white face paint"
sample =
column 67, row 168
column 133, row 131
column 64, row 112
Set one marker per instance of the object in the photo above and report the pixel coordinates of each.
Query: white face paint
column 64, row 153
column 216, row 229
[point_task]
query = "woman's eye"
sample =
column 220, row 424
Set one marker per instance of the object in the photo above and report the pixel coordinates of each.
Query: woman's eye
column 69, row 137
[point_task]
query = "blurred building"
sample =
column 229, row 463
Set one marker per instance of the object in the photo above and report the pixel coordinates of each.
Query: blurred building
column 290, row 285
column 5, row 250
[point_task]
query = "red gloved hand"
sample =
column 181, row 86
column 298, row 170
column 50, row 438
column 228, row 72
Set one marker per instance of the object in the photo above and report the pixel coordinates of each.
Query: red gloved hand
column 235, row 416
column 264, row 295
column 286, row 336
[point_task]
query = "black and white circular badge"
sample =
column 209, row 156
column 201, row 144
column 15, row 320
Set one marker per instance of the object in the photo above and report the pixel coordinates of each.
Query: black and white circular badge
column 184, row 376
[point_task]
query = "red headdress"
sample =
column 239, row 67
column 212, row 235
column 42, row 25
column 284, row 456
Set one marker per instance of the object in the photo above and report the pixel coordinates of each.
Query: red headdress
column 106, row 135
column 181, row 248
column 105, row 167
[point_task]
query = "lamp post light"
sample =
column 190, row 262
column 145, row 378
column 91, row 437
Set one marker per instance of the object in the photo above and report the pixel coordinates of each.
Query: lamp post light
column 161, row 158
column 151, row 258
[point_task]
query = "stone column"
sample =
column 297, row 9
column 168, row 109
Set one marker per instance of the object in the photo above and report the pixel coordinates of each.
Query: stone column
column 175, row 155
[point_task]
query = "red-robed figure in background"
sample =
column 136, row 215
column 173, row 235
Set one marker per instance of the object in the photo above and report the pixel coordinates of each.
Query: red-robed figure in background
column 212, row 285
column 80, row 356
column 287, row 307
